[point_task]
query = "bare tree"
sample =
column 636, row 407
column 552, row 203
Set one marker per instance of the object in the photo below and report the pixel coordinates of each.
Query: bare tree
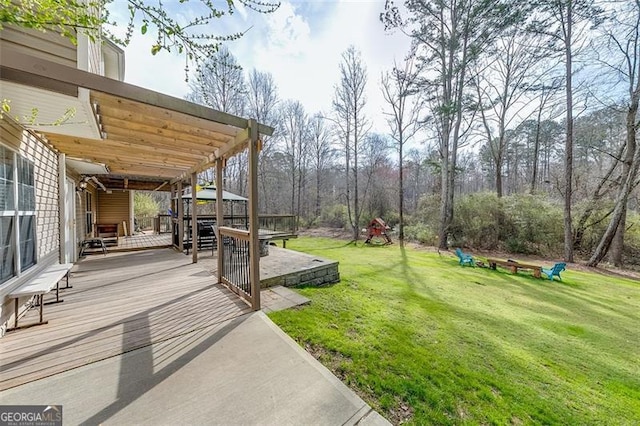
column 624, row 37
column 400, row 92
column 295, row 137
column 321, row 155
column 448, row 37
column 348, row 105
column 566, row 22
column 221, row 85
column 502, row 83
column 262, row 102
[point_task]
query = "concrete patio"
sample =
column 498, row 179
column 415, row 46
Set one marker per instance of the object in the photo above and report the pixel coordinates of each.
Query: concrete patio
column 147, row 338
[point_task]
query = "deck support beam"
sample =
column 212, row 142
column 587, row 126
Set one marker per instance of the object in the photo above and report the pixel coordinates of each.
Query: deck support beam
column 254, row 244
column 180, row 209
column 194, row 217
column 219, row 212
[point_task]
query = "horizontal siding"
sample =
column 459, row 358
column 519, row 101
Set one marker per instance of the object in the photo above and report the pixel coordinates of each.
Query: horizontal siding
column 113, row 208
column 30, row 146
column 95, row 58
column 49, row 45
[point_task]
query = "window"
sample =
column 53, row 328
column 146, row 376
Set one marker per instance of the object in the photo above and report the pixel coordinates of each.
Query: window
column 17, row 219
column 89, row 212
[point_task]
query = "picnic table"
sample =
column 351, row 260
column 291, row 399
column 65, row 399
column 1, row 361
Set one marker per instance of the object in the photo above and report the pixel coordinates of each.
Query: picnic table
column 514, row 266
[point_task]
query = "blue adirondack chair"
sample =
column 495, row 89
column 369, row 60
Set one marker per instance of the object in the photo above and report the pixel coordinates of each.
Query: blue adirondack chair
column 555, row 270
column 465, row 259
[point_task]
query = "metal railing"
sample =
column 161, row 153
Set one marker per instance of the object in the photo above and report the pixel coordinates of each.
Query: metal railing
column 278, row 222
column 271, row 222
column 144, row 223
column 236, row 261
column 160, row 224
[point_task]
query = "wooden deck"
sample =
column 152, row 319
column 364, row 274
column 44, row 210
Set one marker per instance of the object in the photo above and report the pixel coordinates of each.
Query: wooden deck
column 119, row 302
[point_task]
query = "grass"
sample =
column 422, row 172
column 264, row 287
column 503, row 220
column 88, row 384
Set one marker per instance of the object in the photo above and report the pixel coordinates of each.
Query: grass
column 426, row 341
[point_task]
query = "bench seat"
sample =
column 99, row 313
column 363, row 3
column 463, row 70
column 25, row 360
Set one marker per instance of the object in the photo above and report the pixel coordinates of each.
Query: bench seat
column 43, row 283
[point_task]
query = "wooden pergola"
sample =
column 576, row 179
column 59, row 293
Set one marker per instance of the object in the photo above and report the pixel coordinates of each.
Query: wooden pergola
column 146, row 139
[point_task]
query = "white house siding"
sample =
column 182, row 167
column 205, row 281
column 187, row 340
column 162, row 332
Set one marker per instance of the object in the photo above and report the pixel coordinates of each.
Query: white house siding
column 45, row 161
column 95, row 58
column 45, row 45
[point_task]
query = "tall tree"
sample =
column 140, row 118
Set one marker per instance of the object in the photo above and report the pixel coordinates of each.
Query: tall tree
column 449, row 35
column 502, row 83
column 400, row 93
column 624, row 38
column 321, row 155
column 565, row 22
column 221, row 85
column 295, row 137
column 262, row 102
column 348, row 104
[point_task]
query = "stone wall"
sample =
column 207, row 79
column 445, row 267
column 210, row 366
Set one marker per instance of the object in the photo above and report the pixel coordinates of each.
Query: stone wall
column 326, row 273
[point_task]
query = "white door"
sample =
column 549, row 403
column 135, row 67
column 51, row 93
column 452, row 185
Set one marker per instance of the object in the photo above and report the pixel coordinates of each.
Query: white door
column 70, row 221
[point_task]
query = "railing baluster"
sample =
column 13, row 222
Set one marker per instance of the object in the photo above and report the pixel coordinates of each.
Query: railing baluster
column 236, row 260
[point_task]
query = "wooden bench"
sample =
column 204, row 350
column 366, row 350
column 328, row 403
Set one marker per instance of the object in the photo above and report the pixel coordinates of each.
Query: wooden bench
column 43, row 283
column 514, row 266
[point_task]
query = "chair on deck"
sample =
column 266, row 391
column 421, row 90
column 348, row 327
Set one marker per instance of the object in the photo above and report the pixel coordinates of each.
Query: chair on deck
column 555, row 270
column 465, row 259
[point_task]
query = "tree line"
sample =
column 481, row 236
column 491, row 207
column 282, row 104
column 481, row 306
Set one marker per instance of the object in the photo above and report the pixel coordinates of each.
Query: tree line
column 497, row 96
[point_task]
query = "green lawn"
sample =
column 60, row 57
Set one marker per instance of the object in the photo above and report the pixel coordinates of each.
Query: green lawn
column 426, row 341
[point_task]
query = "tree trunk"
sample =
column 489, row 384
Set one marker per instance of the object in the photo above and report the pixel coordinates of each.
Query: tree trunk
column 536, row 150
column 617, row 245
column 499, row 176
column 597, row 195
column 568, row 164
column 318, row 180
column 620, row 209
column 401, row 195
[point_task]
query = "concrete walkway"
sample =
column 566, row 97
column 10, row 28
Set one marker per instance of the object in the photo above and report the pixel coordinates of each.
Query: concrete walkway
column 241, row 371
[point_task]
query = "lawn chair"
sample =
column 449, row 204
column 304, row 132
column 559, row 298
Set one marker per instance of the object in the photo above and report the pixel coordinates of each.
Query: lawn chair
column 465, row 259
column 555, row 270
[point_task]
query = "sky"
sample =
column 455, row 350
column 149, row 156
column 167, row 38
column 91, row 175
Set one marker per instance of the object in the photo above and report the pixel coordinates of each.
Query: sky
column 300, row 45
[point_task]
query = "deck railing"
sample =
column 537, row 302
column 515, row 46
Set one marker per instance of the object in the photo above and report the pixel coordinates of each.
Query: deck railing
column 278, row 222
column 271, row 222
column 160, row 224
column 236, row 261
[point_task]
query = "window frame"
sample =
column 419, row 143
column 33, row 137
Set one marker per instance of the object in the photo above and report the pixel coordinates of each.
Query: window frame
column 88, row 216
column 18, row 187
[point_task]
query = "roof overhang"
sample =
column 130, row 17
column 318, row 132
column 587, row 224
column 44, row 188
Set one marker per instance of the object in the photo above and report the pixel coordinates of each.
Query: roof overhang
column 135, row 132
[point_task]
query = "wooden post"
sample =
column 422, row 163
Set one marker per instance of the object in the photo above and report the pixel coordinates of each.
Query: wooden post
column 171, row 221
column 219, row 214
column 194, row 217
column 254, row 244
column 62, row 209
column 180, row 208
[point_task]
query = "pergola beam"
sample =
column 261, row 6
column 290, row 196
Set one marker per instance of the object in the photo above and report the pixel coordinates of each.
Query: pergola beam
column 33, row 71
column 239, row 140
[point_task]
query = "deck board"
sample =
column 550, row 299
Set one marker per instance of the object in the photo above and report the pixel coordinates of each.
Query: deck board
column 118, row 303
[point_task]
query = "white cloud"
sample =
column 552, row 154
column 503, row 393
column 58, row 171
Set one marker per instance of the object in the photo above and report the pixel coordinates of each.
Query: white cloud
column 301, row 45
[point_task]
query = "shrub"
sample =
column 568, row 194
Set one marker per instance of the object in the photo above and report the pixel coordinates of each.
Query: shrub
column 421, row 233
column 537, row 225
column 335, row 216
column 480, row 222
